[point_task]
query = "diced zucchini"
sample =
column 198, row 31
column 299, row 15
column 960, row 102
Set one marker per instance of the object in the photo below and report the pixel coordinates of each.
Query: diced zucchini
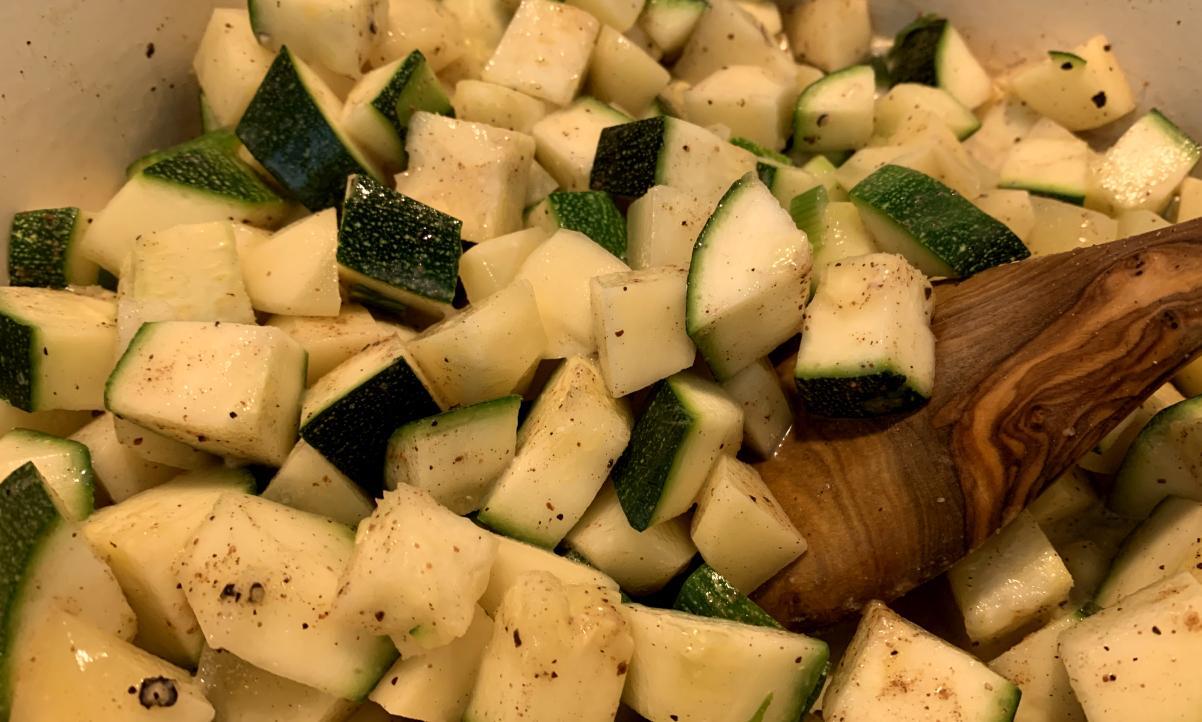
column 498, row 106
column 1034, row 665
column 1061, row 227
column 662, row 226
column 642, row 562
column 74, row 671
column 515, row 558
column 330, row 341
column 416, row 573
column 436, row 686
column 866, row 161
column 44, row 249
column 47, row 564
column 618, row 14
column 1013, row 579
column 229, row 65
column 1012, row 207
column 1106, row 457
column 398, row 247
column 728, row 35
column 120, row 472
column 337, row 34
column 633, row 157
column 1003, row 125
column 1139, row 221
column 141, row 538
column 488, row 267
column 592, row 213
column 830, row 34
column 241, row 692
column 160, row 449
column 713, row 670
column 1162, row 461
column 268, row 601
column 1081, row 90
column 542, row 29
column 1133, row 660
column 566, row 447
column 567, row 140
column 749, row 279
column 57, row 348
column 224, row 388
column 707, row 593
column 428, row 26
column 932, row 226
column 689, row 423
column 560, row 269
column 295, row 271
column 747, row 99
column 471, row 171
column 65, row 466
column 930, row 51
column 937, row 680
column 866, row 347
column 836, row 112
column 905, row 99
column 1189, row 204
column 1064, row 501
column 292, row 128
column 554, row 648
column 55, row 423
column 379, row 107
column 457, row 455
column 182, row 273
column 1163, row 545
column 540, row 185
column 199, row 182
column 622, row 73
column 350, row 412
column 1049, row 161
column 835, row 230
column 638, row 323
column 669, row 23
column 309, row 482
column 484, row 352
column 767, row 415
column 739, row 527
column 1145, row 167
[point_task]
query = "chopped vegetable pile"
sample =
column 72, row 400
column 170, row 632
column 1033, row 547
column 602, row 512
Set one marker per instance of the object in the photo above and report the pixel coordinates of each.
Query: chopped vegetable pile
column 429, row 381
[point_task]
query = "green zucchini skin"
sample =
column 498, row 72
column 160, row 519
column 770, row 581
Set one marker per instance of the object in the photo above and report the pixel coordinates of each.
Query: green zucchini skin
column 219, row 141
column 706, row 593
column 941, row 220
column 413, row 87
column 915, row 49
column 27, row 515
column 645, row 468
column 286, row 131
column 18, row 363
column 594, row 214
column 353, row 431
column 885, row 392
column 38, row 246
column 398, row 241
column 628, row 157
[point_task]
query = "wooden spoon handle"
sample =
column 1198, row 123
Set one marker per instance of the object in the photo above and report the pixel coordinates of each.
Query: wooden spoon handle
column 1037, row 361
column 1042, row 409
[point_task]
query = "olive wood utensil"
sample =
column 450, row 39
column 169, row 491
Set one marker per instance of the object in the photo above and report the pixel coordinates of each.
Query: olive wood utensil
column 1036, row 362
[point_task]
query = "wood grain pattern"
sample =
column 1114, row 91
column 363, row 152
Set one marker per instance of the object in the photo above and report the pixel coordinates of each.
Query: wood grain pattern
column 1036, row 361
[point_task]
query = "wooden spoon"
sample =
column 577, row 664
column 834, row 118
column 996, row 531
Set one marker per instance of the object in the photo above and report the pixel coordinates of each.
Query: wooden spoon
column 1036, row 362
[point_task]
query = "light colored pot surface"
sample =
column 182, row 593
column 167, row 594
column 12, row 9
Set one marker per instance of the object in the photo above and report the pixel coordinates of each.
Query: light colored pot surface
column 82, row 94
